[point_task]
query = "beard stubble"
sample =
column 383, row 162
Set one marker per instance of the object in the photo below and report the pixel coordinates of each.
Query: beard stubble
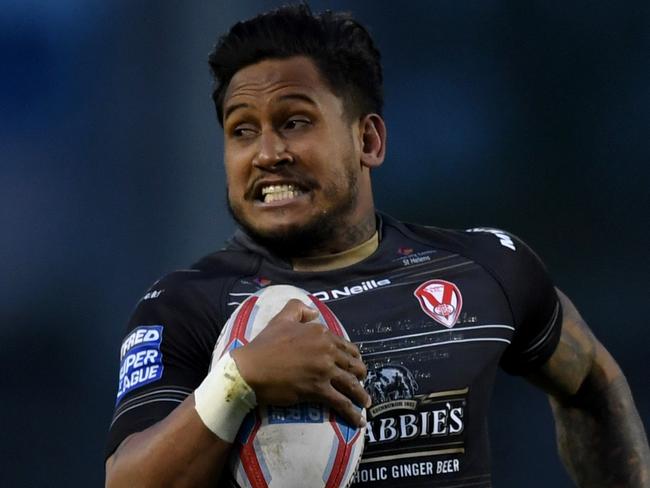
column 311, row 238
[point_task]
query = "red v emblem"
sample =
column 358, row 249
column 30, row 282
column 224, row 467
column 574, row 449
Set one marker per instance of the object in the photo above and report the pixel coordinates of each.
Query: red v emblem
column 441, row 300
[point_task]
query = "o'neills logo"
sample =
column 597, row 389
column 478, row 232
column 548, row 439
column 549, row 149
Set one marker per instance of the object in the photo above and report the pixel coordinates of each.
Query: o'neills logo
column 348, row 291
column 441, row 300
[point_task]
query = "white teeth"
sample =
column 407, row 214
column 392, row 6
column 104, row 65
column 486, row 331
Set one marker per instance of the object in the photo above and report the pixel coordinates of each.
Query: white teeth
column 281, row 195
column 277, row 188
column 273, row 193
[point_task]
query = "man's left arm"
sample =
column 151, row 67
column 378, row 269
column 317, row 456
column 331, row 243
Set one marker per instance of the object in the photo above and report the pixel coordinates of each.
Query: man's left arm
column 600, row 436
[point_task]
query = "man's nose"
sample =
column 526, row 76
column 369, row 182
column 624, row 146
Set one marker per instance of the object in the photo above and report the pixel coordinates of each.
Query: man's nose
column 272, row 151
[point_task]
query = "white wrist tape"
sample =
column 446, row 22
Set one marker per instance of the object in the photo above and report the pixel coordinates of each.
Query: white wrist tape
column 224, row 398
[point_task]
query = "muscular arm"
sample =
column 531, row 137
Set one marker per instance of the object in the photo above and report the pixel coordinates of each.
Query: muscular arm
column 600, row 435
column 178, row 451
column 290, row 361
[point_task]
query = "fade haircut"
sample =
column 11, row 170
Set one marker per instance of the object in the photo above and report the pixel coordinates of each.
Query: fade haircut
column 340, row 47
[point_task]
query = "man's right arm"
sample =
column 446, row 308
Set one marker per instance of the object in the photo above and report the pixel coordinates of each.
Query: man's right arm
column 178, row 451
column 290, row 361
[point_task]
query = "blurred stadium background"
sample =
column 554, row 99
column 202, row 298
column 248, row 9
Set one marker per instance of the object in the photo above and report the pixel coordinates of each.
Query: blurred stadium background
column 529, row 116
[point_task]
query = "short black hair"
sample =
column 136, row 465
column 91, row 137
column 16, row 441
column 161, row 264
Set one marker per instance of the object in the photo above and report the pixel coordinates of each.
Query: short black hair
column 341, row 48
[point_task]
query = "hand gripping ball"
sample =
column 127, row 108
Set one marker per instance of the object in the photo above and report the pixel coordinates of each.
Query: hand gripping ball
column 304, row 445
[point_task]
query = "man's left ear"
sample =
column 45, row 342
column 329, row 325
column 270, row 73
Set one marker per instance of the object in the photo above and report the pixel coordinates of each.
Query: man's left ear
column 372, row 130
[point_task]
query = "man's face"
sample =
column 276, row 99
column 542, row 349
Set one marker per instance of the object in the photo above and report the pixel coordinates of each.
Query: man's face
column 292, row 155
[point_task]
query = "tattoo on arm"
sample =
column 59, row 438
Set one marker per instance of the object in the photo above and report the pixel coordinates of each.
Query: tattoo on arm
column 600, row 436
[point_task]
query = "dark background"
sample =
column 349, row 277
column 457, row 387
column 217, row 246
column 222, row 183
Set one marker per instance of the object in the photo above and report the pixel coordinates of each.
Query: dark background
column 529, row 116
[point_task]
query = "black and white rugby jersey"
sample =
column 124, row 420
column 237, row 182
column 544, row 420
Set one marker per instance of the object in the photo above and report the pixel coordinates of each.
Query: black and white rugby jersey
column 433, row 311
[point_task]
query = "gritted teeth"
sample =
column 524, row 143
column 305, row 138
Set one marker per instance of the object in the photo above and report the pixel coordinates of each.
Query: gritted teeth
column 277, row 189
column 273, row 193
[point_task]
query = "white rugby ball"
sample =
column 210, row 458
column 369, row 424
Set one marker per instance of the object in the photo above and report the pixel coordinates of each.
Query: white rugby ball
column 305, row 445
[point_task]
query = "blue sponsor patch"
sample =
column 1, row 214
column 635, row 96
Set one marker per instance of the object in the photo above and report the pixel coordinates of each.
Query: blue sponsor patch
column 140, row 359
column 301, row 413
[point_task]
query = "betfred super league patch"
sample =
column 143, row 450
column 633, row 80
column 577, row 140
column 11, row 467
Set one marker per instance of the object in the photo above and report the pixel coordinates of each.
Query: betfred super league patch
column 140, row 358
column 441, row 300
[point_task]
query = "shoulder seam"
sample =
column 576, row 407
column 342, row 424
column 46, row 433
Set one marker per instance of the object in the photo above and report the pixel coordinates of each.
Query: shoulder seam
column 409, row 233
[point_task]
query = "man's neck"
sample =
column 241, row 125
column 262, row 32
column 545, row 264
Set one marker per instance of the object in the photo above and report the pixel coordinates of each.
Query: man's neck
column 348, row 238
column 356, row 238
column 339, row 260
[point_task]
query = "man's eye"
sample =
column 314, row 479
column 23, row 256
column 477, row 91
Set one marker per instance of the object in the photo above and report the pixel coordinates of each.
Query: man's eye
column 296, row 123
column 243, row 131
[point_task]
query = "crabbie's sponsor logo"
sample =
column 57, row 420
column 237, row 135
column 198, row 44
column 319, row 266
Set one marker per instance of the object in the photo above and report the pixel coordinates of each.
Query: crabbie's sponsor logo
column 398, row 413
column 438, row 414
column 348, row 291
column 428, row 428
column 441, row 300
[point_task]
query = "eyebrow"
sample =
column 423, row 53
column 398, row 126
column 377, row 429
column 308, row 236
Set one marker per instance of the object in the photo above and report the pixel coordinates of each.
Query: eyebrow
column 289, row 96
column 298, row 96
column 232, row 108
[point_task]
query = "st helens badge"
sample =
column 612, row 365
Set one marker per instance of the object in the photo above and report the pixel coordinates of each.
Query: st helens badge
column 441, row 300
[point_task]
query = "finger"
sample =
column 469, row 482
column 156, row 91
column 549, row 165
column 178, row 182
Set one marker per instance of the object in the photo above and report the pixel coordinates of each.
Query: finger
column 352, row 349
column 350, row 412
column 351, row 364
column 347, row 346
column 309, row 314
column 297, row 311
column 350, row 386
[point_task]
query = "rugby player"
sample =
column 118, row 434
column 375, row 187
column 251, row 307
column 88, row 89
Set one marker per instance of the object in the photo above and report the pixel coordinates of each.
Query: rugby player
column 431, row 312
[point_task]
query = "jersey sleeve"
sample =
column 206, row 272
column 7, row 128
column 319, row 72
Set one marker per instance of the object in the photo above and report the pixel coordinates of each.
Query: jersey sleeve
column 164, row 356
column 533, row 301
